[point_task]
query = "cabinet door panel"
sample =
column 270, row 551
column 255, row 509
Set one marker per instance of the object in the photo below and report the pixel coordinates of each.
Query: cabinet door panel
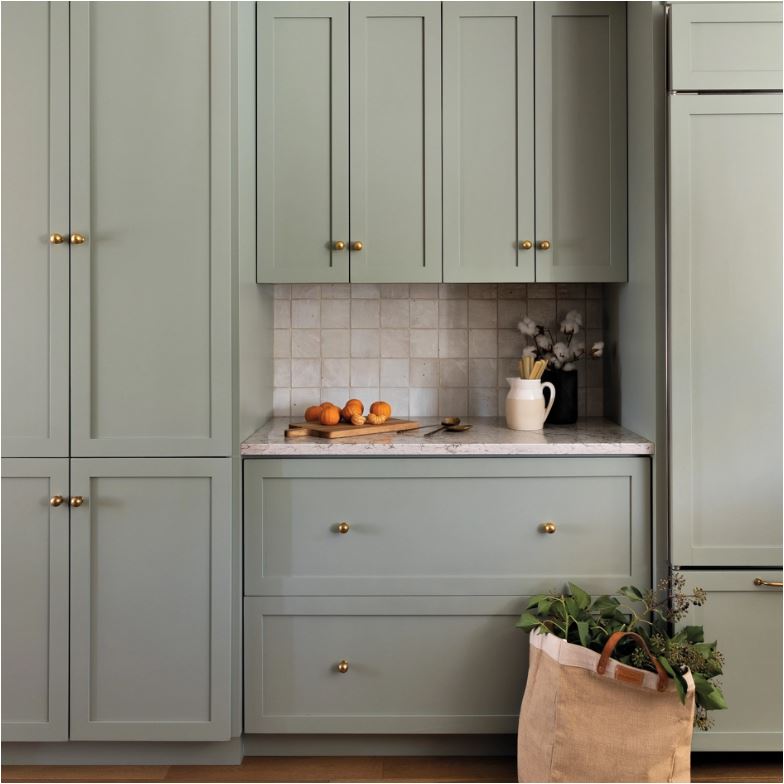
column 35, row 205
column 151, row 600
column 395, row 130
column 35, row 600
column 725, row 258
column 302, row 109
column 581, row 141
column 488, row 141
column 745, row 620
column 151, row 191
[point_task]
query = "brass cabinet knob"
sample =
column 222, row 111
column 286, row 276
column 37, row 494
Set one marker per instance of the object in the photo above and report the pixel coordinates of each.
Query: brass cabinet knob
column 549, row 527
column 343, row 528
column 544, row 245
column 526, row 245
column 78, row 239
column 56, row 239
column 768, row 583
column 339, row 245
column 56, row 500
column 77, row 501
column 357, row 246
column 343, row 666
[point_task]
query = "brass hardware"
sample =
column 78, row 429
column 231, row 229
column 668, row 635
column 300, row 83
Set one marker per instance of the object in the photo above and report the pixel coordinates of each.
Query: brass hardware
column 56, row 500
column 549, row 527
column 357, row 246
column 544, row 245
column 77, row 501
column 340, row 245
column 56, row 239
column 78, row 239
column 343, row 528
column 526, row 245
column 343, row 666
column 769, row 584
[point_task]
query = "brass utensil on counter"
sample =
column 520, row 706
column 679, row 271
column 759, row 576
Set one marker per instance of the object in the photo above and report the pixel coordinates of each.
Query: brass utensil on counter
column 452, row 424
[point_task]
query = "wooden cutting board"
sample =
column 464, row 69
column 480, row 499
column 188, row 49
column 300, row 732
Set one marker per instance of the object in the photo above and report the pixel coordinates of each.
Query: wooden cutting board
column 342, row 430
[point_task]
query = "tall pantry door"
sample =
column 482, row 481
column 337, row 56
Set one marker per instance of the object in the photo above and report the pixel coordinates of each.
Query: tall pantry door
column 726, row 312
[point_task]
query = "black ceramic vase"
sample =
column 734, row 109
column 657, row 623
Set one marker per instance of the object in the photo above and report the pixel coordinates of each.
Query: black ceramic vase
column 564, row 410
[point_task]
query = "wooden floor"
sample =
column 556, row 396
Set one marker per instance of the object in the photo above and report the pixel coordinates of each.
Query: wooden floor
column 705, row 768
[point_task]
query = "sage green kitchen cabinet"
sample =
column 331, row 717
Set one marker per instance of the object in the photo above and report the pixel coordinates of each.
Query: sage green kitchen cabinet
column 580, row 66
column 35, row 598
column 151, row 599
column 303, row 116
column 35, row 205
column 151, row 194
column 310, row 102
column 726, row 46
column 725, row 296
column 488, row 142
column 744, row 616
column 395, row 149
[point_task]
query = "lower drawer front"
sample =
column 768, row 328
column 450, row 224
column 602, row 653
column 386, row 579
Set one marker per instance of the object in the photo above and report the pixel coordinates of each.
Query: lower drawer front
column 445, row 665
column 444, row 526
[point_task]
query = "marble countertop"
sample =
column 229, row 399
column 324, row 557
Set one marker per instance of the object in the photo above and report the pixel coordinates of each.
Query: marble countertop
column 489, row 436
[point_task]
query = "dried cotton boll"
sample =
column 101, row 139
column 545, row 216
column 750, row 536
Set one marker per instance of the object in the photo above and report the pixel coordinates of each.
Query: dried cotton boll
column 528, row 326
column 529, row 351
column 597, row 349
column 544, row 342
column 561, row 352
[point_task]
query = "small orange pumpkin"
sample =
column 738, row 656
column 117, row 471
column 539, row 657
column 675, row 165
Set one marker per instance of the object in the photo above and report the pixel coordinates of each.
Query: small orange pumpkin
column 381, row 408
column 352, row 407
column 313, row 413
column 326, row 404
column 330, row 415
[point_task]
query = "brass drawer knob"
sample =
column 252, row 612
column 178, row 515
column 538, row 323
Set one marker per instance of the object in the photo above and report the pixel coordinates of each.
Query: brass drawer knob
column 549, row 527
column 77, row 501
column 357, row 246
column 344, row 527
column 343, row 666
column 544, row 245
column 770, row 584
column 78, row 239
column 56, row 500
column 339, row 245
column 526, row 245
column 56, row 239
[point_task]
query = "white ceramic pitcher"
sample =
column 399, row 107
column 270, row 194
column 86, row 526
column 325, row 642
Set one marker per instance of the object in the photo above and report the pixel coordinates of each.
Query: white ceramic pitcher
column 525, row 408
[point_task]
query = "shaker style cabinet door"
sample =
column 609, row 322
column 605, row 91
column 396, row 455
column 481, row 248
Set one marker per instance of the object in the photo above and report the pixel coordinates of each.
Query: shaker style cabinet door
column 35, row 229
column 35, row 597
column 725, row 302
column 395, row 130
column 151, row 253
column 302, row 127
column 151, row 599
column 580, row 142
column 488, row 141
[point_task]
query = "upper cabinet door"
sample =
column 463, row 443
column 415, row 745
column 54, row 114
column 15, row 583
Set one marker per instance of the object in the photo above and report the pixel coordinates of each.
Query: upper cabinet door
column 151, row 195
column 302, row 62
column 725, row 46
column 488, row 141
column 35, row 208
column 395, row 127
column 725, row 302
column 580, row 142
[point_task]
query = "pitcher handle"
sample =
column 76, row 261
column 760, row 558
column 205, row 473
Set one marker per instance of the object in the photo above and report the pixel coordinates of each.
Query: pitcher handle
column 552, row 397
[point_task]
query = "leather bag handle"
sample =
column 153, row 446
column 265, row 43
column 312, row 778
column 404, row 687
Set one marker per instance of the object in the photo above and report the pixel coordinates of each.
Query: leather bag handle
column 609, row 647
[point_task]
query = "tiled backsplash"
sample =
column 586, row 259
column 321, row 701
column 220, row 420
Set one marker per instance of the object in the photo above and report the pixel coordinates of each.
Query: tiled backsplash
column 429, row 349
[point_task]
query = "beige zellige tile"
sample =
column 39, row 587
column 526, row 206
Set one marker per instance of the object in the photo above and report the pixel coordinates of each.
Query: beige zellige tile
column 541, row 290
column 364, row 343
column 365, row 291
column 594, row 313
column 452, row 402
column 424, row 372
column 424, row 342
column 510, row 312
column 563, row 306
column 482, row 402
column 510, row 343
column 397, row 397
column 336, row 395
column 542, row 311
column 364, row 313
column 511, row 291
column 281, row 402
column 364, row 372
column 424, row 313
column 594, row 290
column 335, row 313
column 507, row 368
column 394, row 313
column 482, row 291
column 281, row 291
column 570, row 290
column 424, row 290
column 453, row 372
column 482, row 314
column 305, row 373
column 334, row 372
column 482, row 372
column 305, row 313
column 394, row 372
column 453, row 314
column 305, row 291
column 281, row 343
column 452, row 291
column 335, row 342
column 394, row 343
column 594, row 397
column 482, row 342
column 281, row 370
column 302, row 398
column 335, row 290
column 452, row 343
column 423, row 402
column 306, row 343
column 394, row 291
column 282, row 314
column 367, row 395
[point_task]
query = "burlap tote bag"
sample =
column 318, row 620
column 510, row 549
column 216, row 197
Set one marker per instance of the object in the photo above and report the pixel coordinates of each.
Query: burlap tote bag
column 587, row 717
